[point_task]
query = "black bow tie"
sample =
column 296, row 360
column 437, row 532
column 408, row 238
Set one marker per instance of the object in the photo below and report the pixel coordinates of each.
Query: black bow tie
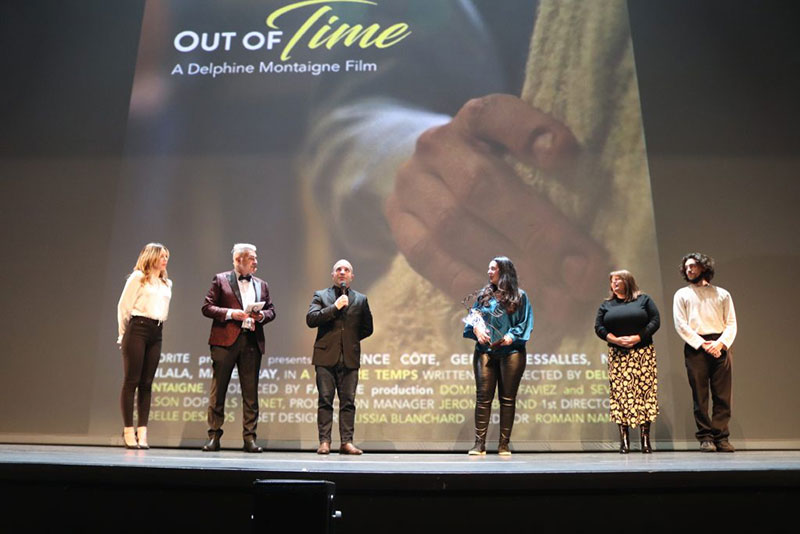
column 245, row 277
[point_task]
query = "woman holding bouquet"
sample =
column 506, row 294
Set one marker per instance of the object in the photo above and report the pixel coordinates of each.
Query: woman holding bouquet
column 500, row 321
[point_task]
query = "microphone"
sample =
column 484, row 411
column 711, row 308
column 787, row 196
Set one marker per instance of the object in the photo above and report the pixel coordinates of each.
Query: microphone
column 343, row 286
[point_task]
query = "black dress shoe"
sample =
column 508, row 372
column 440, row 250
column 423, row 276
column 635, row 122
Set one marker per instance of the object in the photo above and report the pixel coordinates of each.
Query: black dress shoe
column 212, row 444
column 251, row 446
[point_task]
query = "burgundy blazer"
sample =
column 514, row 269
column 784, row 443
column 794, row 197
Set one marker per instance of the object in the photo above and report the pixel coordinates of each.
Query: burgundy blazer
column 223, row 295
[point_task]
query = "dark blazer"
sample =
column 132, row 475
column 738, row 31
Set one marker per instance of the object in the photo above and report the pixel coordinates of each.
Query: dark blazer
column 223, row 295
column 339, row 331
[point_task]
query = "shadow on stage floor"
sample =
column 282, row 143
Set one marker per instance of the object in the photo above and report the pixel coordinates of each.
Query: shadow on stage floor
column 75, row 488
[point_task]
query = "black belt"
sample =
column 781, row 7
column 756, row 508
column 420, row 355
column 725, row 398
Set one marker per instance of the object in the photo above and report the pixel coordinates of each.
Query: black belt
column 156, row 322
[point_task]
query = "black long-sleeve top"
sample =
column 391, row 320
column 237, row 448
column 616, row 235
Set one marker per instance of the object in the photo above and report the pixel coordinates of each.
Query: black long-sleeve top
column 639, row 316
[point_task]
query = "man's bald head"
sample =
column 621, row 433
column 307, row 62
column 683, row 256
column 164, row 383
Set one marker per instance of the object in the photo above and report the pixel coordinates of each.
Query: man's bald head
column 342, row 273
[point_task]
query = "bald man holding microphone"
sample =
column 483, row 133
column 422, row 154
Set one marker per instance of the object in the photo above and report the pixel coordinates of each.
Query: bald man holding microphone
column 342, row 318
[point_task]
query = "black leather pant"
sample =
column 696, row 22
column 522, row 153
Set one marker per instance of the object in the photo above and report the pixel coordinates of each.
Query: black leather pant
column 492, row 371
column 141, row 351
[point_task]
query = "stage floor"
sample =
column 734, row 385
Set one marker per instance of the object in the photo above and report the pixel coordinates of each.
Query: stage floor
column 306, row 463
column 398, row 493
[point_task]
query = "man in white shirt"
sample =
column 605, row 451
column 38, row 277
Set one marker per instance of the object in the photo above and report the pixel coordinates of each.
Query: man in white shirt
column 706, row 320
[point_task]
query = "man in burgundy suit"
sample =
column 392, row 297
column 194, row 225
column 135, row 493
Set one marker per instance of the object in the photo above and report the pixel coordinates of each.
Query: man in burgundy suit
column 237, row 338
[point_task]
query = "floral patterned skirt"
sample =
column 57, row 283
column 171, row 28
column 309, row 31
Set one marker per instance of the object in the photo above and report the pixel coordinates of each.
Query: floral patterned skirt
column 634, row 385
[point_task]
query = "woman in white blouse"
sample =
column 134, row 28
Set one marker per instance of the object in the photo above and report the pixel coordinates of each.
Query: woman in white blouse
column 141, row 312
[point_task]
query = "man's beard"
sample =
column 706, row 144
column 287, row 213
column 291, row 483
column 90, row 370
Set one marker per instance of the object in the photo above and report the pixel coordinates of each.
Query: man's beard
column 696, row 279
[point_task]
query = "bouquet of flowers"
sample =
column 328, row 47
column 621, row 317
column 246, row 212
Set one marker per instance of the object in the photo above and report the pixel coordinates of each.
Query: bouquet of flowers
column 475, row 319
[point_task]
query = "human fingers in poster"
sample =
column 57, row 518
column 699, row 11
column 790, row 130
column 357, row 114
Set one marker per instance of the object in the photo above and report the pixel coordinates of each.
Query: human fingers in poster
column 458, row 200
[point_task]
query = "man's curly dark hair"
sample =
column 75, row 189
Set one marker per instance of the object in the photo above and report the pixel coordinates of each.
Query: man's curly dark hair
column 706, row 262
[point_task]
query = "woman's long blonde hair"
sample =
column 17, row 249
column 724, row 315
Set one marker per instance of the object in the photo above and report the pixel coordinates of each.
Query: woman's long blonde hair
column 149, row 258
column 631, row 289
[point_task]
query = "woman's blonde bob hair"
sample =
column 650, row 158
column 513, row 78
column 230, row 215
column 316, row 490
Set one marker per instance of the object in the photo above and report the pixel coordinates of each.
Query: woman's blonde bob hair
column 631, row 289
column 148, row 261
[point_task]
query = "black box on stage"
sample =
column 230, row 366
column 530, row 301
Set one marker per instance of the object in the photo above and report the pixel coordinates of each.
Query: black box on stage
column 299, row 505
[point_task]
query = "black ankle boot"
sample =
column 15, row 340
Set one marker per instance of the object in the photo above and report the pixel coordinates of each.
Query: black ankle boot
column 646, row 449
column 624, row 440
column 213, row 442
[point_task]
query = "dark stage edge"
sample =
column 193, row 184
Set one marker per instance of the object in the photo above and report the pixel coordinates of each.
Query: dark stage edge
column 106, row 489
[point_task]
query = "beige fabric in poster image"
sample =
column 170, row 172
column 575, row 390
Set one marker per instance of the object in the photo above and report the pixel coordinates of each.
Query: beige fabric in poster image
column 580, row 70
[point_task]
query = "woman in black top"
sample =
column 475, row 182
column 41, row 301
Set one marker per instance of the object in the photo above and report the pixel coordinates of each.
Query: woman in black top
column 627, row 320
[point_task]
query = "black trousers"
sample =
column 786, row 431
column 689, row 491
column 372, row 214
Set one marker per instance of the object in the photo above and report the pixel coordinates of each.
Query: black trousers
column 141, row 351
column 491, row 372
column 706, row 373
column 331, row 380
column 245, row 355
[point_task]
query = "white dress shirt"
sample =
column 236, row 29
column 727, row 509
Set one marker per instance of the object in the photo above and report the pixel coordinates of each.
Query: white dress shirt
column 248, row 292
column 700, row 310
column 149, row 299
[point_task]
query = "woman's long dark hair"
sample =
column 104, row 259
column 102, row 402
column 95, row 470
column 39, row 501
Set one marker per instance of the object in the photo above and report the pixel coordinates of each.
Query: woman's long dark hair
column 507, row 289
